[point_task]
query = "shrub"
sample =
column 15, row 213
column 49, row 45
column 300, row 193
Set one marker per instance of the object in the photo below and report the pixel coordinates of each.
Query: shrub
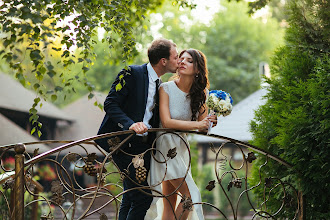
column 294, row 122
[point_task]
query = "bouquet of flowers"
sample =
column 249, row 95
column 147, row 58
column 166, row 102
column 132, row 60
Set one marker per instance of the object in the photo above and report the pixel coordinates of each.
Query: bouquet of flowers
column 220, row 103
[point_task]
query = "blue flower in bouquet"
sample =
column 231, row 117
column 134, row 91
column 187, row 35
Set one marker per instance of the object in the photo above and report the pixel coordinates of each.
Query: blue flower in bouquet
column 221, row 95
column 220, row 102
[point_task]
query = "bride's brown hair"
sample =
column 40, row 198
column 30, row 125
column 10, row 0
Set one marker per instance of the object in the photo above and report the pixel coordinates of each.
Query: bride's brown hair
column 198, row 88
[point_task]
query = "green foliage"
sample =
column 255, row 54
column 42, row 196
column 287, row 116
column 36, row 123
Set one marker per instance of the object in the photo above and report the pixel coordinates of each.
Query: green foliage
column 233, row 42
column 234, row 193
column 5, row 197
column 278, row 10
column 294, row 123
column 206, row 175
column 113, row 180
column 5, row 203
column 236, row 44
column 254, row 6
column 42, row 39
column 65, row 81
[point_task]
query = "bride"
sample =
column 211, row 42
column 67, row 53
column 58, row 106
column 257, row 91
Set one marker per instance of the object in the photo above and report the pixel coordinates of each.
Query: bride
column 181, row 107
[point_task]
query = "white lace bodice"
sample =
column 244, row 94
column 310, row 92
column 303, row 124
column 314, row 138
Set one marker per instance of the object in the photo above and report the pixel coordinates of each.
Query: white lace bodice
column 179, row 103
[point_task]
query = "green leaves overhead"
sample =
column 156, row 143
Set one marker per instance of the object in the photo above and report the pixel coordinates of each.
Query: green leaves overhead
column 42, row 39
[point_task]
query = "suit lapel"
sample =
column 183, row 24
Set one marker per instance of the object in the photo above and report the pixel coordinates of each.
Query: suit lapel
column 146, row 86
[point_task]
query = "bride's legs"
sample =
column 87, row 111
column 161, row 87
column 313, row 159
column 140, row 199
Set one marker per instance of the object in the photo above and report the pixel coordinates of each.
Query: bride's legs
column 170, row 202
column 184, row 190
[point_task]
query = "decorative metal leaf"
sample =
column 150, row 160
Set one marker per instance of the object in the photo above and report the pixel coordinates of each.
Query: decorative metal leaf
column 56, row 187
column 138, row 161
column 112, row 149
column 237, row 183
column 187, row 203
column 35, row 152
column 211, row 185
column 71, row 157
column 57, row 198
column 171, row 153
column 251, row 157
column 57, row 190
column 91, row 157
column 103, row 217
column 8, row 184
column 103, row 170
column 230, row 184
column 112, row 142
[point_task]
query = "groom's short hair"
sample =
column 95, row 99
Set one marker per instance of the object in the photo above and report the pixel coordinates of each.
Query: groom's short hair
column 159, row 48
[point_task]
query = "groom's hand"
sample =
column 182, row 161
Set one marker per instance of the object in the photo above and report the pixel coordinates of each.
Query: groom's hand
column 139, row 127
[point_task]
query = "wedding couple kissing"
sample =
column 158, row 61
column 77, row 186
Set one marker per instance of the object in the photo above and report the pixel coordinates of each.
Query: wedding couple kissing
column 145, row 102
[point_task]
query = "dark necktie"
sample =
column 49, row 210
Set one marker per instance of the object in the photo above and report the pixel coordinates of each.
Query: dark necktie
column 157, row 93
column 155, row 111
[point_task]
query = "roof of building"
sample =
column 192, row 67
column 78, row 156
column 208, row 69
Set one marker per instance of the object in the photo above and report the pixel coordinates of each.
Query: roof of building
column 15, row 97
column 236, row 125
column 12, row 134
column 87, row 116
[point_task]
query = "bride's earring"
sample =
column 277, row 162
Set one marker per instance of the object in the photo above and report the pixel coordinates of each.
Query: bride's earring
column 196, row 75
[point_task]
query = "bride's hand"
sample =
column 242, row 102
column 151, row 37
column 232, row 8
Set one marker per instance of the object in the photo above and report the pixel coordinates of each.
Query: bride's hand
column 213, row 119
column 203, row 125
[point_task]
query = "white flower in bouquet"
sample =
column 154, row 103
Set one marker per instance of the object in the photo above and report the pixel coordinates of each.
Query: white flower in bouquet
column 219, row 102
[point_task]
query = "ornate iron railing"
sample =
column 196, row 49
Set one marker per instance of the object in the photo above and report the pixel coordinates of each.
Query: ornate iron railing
column 103, row 198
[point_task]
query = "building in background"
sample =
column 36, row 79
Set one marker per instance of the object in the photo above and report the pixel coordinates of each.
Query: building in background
column 235, row 126
column 16, row 101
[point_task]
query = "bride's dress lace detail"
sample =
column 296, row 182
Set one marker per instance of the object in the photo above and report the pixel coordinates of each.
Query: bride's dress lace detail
column 179, row 105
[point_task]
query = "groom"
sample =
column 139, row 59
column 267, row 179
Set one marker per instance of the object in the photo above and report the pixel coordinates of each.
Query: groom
column 134, row 107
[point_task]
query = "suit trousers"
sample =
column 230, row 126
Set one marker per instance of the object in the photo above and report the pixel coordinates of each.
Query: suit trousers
column 135, row 203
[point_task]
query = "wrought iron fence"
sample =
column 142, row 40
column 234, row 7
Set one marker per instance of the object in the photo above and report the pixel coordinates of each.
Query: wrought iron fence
column 66, row 193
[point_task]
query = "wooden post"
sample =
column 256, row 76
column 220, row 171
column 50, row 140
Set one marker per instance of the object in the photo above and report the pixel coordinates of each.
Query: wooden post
column 19, row 182
column 35, row 206
column 34, row 214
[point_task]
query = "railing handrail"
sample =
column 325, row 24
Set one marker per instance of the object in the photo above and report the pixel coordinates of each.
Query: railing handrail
column 92, row 165
column 118, row 133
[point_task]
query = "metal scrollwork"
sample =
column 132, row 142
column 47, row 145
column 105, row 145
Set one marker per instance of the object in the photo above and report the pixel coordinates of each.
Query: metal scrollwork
column 62, row 194
column 8, row 184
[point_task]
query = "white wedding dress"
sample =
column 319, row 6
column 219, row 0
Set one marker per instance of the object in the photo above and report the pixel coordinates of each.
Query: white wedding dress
column 177, row 167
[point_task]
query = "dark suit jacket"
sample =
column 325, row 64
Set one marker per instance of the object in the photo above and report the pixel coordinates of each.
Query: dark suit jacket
column 126, row 106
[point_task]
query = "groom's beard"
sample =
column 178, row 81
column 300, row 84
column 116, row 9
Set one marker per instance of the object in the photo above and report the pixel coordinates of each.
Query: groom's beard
column 173, row 70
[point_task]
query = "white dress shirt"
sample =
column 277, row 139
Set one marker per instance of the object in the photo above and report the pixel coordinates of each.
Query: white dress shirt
column 151, row 94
